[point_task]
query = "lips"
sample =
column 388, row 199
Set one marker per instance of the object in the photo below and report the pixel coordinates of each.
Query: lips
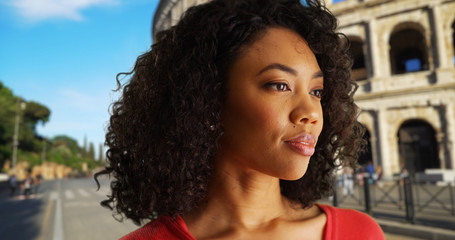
column 302, row 144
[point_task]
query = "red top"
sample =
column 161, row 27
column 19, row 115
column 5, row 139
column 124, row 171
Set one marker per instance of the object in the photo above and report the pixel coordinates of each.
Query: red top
column 345, row 224
column 342, row 224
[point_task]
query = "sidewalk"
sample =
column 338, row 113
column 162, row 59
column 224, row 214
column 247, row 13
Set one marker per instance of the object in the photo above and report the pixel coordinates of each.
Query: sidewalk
column 434, row 209
column 416, row 231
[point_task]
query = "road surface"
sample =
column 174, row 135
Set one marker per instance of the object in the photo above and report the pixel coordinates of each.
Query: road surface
column 67, row 209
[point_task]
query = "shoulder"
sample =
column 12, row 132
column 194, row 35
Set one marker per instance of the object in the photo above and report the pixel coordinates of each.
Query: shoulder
column 350, row 224
column 165, row 227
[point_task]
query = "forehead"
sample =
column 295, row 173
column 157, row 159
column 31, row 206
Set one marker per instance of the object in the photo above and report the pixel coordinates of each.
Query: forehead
column 276, row 38
column 277, row 45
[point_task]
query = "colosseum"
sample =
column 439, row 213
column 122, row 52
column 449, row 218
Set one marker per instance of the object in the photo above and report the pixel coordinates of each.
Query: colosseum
column 404, row 64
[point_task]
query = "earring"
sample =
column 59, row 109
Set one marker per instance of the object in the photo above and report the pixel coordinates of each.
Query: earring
column 212, row 128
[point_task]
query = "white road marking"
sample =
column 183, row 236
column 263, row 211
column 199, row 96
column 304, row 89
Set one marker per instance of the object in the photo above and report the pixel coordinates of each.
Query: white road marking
column 80, row 204
column 58, row 220
column 69, row 194
column 102, row 192
column 53, row 195
column 83, row 192
column 58, row 227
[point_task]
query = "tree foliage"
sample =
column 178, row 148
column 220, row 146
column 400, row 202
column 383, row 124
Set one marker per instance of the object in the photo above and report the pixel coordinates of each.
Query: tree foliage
column 61, row 149
column 7, row 113
column 101, row 153
column 35, row 112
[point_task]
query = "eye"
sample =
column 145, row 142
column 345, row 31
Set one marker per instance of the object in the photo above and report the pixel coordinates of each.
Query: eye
column 278, row 86
column 317, row 93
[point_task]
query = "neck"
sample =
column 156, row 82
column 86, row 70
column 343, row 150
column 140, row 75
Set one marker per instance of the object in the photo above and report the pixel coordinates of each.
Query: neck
column 245, row 198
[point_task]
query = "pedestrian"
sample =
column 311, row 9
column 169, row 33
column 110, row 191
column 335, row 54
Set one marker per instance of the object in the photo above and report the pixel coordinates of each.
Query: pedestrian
column 348, row 181
column 233, row 124
column 12, row 184
column 378, row 176
column 37, row 181
column 370, row 170
column 27, row 185
column 403, row 174
column 403, row 170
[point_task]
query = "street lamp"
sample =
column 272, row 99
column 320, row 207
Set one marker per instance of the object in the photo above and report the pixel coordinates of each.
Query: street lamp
column 20, row 106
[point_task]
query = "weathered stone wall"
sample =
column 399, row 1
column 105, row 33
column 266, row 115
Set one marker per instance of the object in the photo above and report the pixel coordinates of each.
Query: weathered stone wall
column 389, row 100
column 48, row 170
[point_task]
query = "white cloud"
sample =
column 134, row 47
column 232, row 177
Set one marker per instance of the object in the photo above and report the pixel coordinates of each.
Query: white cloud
column 75, row 99
column 37, row 10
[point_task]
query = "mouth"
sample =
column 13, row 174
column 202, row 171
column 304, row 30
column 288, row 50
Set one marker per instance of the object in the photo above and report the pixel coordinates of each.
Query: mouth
column 303, row 144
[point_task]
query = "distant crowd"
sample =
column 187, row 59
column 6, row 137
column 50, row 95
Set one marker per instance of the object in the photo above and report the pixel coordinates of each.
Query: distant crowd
column 369, row 172
column 28, row 187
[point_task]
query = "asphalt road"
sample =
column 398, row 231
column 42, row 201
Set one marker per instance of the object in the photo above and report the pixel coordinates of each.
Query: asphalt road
column 66, row 209
column 62, row 210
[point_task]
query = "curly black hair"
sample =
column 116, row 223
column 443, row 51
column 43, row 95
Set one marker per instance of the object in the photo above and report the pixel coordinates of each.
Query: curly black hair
column 164, row 129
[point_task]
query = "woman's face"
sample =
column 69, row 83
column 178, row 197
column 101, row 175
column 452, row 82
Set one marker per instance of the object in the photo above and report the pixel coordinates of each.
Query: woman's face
column 272, row 115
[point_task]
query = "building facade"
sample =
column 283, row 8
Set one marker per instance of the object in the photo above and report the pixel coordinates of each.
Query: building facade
column 404, row 64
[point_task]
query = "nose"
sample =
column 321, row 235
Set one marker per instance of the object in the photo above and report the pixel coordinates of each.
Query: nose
column 306, row 111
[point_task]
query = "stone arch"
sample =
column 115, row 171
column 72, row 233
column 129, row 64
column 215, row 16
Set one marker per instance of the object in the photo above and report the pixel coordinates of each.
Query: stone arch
column 366, row 154
column 418, row 146
column 356, row 49
column 408, row 48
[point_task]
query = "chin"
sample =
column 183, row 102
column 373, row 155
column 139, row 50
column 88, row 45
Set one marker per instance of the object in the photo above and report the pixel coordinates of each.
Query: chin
column 294, row 175
column 292, row 178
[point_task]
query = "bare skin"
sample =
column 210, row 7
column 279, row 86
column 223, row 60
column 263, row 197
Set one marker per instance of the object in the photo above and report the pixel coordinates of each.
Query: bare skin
column 273, row 99
column 252, row 209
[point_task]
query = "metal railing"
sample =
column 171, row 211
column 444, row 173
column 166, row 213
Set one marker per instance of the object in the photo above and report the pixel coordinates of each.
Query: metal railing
column 404, row 195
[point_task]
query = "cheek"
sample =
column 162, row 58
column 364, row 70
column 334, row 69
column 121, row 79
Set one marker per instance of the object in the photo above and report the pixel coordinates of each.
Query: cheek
column 321, row 121
column 254, row 120
column 271, row 122
column 262, row 114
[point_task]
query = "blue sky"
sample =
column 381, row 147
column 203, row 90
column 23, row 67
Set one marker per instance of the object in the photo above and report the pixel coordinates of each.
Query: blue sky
column 65, row 54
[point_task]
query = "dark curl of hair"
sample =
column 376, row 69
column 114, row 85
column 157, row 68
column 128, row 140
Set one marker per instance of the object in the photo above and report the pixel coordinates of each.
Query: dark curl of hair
column 164, row 130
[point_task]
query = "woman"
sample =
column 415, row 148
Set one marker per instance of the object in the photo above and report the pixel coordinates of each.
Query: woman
column 230, row 126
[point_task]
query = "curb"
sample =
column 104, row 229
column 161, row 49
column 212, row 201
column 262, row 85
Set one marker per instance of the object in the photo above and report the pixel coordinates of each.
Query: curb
column 417, row 231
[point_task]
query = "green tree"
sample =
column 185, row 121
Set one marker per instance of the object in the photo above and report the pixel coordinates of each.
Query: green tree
column 33, row 114
column 101, row 153
column 7, row 118
column 85, row 148
column 60, row 149
column 91, row 151
column 68, row 142
column 65, row 150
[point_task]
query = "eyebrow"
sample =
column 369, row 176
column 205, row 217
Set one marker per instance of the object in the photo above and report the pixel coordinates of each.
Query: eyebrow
column 279, row 67
column 287, row 69
column 317, row 74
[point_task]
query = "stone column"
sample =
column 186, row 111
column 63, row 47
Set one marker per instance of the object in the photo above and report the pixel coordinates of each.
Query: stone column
column 384, row 144
column 375, row 140
column 440, row 56
column 378, row 51
column 367, row 50
column 450, row 118
column 372, row 38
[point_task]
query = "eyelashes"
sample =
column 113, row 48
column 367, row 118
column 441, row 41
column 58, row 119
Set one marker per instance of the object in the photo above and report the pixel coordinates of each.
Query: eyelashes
column 278, row 86
column 317, row 93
